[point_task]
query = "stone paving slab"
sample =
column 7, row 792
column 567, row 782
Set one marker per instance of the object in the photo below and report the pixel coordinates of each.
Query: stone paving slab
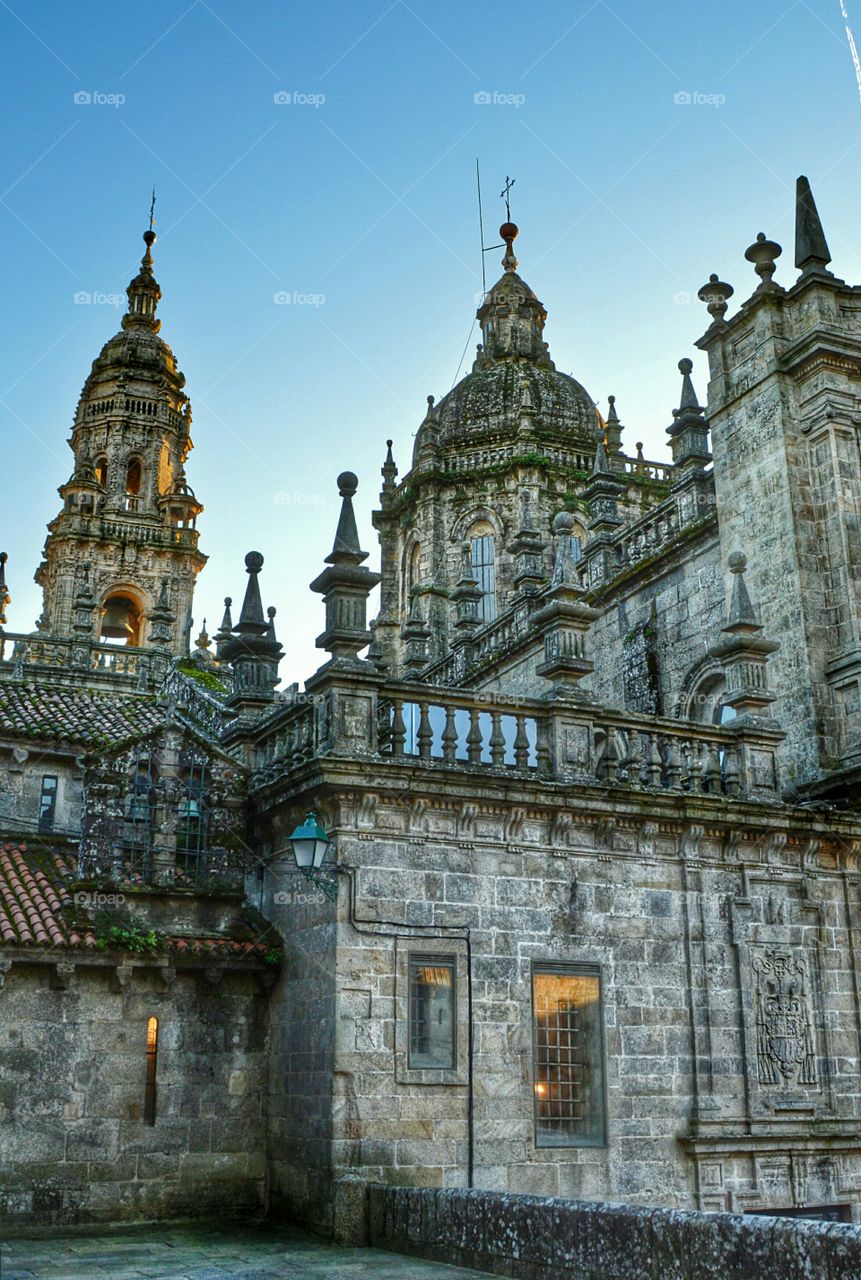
column 207, row 1253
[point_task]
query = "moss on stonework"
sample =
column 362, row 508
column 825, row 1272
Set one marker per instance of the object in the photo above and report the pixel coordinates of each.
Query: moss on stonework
column 204, row 678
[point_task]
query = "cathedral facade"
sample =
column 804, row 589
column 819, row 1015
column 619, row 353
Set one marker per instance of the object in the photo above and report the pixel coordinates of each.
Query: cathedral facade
column 584, row 919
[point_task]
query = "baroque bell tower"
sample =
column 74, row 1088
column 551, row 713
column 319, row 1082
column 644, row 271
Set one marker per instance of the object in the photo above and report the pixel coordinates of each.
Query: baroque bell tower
column 126, row 540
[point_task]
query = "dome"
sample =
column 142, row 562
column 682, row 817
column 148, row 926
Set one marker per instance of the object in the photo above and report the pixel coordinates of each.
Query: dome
column 488, row 401
column 513, row 376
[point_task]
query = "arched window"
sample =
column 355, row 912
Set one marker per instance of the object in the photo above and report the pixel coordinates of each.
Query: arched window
column 134, row 476
column 151, row 1064
column 121, row 620
column 101, row 470
column 484, row 569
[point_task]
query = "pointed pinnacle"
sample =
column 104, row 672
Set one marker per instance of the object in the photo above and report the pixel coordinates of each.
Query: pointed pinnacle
column 811, row 247
column 689, row 396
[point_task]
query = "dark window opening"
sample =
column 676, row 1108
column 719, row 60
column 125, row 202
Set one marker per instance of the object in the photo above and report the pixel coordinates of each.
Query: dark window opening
column 151, row 1060
column 568, row 1056
column 431, row 1012
column 191, row 832
column 101, row 469
column 48, row 803
column 139, row 814
column 133, row 485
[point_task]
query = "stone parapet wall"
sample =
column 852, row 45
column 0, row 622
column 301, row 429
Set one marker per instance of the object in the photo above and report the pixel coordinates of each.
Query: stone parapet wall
column 534, row 1238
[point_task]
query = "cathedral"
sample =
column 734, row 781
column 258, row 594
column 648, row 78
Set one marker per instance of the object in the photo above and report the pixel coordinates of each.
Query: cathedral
column 547, row 879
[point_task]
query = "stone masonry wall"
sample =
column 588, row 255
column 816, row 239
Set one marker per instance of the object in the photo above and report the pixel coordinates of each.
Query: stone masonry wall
column 74, row 1147
column 542, row 1239
column 691, row 925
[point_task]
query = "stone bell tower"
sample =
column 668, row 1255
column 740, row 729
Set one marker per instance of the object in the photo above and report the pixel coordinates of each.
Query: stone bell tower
column 126, row 538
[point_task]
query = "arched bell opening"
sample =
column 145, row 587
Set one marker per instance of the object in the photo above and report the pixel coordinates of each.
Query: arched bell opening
column 122, row 620
column 134, row 479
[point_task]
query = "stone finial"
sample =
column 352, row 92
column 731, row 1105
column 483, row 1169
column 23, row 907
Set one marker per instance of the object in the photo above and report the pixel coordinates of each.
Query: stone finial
column 563, row 619
column 143, row 292
column 225, row 631
column 5, row 598
column 763, row 254
column 811, row 247
column 740, row 609
column 415, row 635
column 715, row 295
column 203, row 641
column 527, row 549
column 508, row 233
column 613, row 427
column 601, row 465
column 346, row 584
column 744, row 654
column 251, row 647
column 466, row 596
column 564, row 555
column 689, row 433
column 389, row 470
column 162, row 619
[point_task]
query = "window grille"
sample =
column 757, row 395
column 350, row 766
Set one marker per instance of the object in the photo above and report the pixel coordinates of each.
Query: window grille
column 192, row 823
column 568, row 1056
column 139, row 814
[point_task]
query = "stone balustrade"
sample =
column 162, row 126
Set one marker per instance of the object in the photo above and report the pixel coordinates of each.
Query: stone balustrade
column 561, row 741
column 37, row 657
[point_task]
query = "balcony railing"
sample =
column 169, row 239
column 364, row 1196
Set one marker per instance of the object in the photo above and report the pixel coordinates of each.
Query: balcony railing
column 560, row 742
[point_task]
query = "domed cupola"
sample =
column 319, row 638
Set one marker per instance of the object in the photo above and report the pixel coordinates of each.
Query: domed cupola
column 513, row 367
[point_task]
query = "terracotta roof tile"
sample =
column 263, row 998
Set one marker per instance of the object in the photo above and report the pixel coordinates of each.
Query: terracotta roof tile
column 74, row 715
column 34, row 889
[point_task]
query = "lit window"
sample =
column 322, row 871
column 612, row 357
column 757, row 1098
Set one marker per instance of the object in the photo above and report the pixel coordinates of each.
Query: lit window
column 101, row 469
column 431, row 1022
column 568, row 1056
column 151, row 1060
column 484, row 570
column 48, row 803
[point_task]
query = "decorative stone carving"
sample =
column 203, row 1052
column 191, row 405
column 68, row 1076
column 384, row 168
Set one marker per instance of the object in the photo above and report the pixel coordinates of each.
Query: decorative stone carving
column 785, row 1051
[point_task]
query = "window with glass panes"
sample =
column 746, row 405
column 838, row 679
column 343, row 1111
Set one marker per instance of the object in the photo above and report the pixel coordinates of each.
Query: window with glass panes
column 484, row 569
column 431, row 1011
column 48, row 803
column 568, row 1056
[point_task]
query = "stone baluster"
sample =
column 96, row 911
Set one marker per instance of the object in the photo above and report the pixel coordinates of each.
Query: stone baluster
column 497, row 740
column 672, row 768
column 635, row 758
column 652, row 764
column 449, row 737
column 424, row 736
column 521, row 744
column 731, row 773
column 544, row 756
column 399, row 729
column 474, row 738
column 712, row 775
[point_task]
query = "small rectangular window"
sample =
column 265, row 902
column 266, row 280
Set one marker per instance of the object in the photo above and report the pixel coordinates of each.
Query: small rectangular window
column 151, row 1062
column 568, row 1056
column 48, row 803
column 432, row 1011
column 484, row 568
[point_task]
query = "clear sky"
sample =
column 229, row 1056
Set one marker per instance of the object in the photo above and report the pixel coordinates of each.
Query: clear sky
column 650, row 142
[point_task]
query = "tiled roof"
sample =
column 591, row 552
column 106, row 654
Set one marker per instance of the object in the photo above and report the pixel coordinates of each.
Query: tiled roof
column 35, row 887
column 74, row 716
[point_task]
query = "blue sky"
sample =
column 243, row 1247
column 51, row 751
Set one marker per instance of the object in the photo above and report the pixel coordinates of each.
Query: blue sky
column 650, row 143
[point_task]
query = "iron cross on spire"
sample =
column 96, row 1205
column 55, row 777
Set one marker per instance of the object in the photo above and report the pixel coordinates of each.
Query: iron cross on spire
column 152, row 210
column 504, row 195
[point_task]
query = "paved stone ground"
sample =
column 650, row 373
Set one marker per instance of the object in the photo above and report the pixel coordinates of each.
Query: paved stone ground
column 206, row 1253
